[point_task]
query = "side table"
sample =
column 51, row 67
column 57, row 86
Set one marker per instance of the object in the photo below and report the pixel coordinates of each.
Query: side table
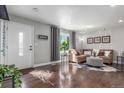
column 64, row 64
column 64, row 57
column 121, row 60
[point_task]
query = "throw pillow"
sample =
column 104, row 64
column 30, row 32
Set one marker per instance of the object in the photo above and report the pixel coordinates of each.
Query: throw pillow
column 87, row 53
column 101, row 53
column 107, row 53
column 78, row 52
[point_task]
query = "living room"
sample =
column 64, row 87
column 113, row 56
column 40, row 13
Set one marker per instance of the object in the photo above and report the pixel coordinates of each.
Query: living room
column 59, row 44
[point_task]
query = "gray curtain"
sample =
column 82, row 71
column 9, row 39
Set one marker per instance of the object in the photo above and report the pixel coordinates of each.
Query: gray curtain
column 55, row 42
column 73, row 40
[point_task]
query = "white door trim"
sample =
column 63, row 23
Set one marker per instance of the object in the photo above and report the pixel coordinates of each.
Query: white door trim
column 32, row 41
column 33, row 47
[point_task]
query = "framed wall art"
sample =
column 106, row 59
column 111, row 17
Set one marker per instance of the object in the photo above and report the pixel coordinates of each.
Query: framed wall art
column 89, row 40
column 43, row 37
column 106, row 39
column 97, row 39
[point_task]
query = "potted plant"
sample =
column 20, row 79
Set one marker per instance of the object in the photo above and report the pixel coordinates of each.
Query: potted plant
column 6, row 71
column 64, row 46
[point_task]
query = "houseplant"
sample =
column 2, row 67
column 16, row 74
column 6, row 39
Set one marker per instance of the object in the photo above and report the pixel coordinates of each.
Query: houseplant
column 6, row 71
column 64, row 46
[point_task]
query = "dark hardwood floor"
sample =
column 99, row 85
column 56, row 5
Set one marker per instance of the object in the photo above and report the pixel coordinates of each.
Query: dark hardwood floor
column 69, row 76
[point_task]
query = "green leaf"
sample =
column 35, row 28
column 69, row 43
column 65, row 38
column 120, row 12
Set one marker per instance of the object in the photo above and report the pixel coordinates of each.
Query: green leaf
column 10, row 71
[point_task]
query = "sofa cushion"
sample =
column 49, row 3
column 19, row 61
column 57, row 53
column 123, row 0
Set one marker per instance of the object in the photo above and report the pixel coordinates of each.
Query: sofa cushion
column 105, row 57
column 81, row 56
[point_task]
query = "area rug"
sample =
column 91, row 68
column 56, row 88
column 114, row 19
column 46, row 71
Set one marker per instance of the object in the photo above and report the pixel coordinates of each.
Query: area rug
column 104, row 68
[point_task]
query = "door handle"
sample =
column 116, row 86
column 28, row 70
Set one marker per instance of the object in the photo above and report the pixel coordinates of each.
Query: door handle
column 30, row 48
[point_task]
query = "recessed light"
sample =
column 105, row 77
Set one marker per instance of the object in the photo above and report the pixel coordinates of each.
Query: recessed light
column 120, row 21
column 35, row 9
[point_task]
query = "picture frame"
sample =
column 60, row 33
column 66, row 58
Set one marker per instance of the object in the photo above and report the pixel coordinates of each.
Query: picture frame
column 43, row 37
column 97, row 40
column 89, row 40
column 106, row 39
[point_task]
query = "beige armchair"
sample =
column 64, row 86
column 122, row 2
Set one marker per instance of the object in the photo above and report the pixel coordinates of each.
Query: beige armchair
column 76, row 56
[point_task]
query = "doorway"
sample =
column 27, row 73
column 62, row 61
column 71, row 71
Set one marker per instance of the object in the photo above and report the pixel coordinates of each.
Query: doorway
column 20, row 45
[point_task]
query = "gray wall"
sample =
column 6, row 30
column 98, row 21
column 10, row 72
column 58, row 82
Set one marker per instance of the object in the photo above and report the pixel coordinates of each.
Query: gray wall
column 42, row 47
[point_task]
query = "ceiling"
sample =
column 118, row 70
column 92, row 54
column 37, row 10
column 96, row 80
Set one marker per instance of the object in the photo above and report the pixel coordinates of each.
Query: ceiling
column 72, row 17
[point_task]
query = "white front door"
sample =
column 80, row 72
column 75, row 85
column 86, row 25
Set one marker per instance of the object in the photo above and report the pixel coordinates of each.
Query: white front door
column 20, row 45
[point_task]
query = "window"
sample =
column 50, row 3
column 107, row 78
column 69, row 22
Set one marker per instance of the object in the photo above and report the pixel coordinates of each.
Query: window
column 20, row 43
column 64, row 42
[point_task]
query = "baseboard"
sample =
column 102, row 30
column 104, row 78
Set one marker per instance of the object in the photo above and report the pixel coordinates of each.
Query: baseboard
column 43, row 64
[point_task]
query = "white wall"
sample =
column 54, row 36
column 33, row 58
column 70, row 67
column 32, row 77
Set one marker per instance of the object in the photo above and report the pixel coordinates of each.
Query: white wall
column 117, row 37
column 42, row 47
